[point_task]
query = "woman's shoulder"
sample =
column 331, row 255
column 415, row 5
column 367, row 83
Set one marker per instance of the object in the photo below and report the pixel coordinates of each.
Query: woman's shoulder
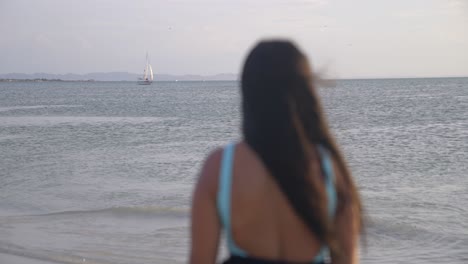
column 208, row 179
column 209, row 174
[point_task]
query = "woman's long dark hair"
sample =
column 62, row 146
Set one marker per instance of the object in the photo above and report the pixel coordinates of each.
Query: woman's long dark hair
column 282, row 120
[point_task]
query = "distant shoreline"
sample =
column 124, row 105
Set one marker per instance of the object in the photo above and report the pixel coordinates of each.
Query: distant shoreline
column 113, row 76
column 43, row 80
column 60, row 80
column 198, row 80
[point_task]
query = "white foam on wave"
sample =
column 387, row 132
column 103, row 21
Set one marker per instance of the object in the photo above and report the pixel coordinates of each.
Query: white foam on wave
column 75, row 120
column 128, row 211
column 11, row 137
column 13, row 108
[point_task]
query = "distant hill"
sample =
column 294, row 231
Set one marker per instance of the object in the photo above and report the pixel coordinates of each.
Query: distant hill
column 118, row 76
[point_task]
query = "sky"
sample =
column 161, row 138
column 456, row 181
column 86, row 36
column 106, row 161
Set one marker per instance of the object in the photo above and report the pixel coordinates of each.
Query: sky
column 342, row 38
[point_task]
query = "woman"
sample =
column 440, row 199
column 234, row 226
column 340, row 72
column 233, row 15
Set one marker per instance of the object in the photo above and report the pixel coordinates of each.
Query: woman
column 284, row 193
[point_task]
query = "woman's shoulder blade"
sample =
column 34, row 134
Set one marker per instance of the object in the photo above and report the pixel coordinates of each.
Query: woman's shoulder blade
column 208, row 177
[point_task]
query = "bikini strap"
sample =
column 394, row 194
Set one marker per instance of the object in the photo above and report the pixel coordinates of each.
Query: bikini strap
column 224, row 197
column 327, row 167
column 329, row 175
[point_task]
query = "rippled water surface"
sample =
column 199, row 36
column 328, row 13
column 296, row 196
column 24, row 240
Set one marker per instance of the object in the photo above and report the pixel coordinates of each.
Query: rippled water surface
column 103, row 171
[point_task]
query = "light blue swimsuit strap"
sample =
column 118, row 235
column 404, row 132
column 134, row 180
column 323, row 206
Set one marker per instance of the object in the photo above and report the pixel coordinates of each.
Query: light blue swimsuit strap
column 329, row 180
column 331, row 195
column 224, row 198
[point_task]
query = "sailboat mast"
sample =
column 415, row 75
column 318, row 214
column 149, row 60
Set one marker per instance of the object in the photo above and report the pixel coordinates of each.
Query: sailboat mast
column 145, row 71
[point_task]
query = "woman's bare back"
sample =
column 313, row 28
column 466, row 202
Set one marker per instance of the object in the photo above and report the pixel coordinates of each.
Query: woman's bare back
column 263, row 222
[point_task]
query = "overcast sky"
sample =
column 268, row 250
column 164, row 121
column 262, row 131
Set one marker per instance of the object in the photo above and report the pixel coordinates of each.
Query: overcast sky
column 346, row 38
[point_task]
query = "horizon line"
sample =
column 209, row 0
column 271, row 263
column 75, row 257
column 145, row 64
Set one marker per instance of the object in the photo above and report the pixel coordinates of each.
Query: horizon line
column 238, row 75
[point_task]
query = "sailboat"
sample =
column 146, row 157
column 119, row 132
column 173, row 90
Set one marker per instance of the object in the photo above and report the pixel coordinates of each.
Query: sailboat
column 147, row 78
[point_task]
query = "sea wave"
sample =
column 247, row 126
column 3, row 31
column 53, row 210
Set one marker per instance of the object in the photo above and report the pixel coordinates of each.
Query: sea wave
column 49, row 256
column 98, row 236
column 76, row 120
column 124, row 211
column 406, row 242
column 13, row 108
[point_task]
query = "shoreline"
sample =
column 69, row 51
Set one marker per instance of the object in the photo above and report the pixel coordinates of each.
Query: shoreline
column 44, row 80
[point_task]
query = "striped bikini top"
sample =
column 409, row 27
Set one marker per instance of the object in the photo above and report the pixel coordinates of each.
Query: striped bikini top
column 224, row 198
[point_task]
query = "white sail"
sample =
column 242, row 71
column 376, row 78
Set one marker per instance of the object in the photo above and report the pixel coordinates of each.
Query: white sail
column 145, row 74
column 150, row 72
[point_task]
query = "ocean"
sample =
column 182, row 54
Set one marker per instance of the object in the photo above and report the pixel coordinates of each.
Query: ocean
column 102, row 172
